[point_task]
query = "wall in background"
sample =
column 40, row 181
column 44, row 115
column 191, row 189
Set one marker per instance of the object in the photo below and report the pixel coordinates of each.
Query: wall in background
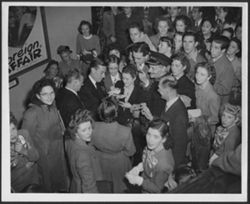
column 62, row 23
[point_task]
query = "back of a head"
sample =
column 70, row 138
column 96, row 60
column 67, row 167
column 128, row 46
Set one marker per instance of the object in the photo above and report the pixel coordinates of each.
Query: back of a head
column 222, row 40
column 107, row 110
column 73, row 74
column 141, row 47
column 169, row 81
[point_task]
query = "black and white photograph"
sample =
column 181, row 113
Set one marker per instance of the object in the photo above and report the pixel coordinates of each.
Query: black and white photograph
column 124, row 101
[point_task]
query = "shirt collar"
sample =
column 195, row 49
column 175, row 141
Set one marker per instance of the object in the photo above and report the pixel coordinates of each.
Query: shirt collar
column 171, row 102
column 92, row 80
column 73, row 91
column 215, row 59
column 87, row 37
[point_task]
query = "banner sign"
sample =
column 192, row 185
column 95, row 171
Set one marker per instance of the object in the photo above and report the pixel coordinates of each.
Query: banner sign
column 28, row 40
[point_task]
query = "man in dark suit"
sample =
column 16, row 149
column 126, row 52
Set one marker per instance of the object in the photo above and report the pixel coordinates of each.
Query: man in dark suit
column 67, row 99
column 176, row 114
column 93, row 90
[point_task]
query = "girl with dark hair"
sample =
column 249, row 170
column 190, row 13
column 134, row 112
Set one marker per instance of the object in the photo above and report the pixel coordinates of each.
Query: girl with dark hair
column 207, row 100
column 178, row 42
column 113, row 78
column 182, row 23
column 166, row 46
column 52, row 72
column 180, row 70
column 83, row 161
column 115, row 146
column 46, row 129
column 157, row 162
column 86, row 41
column 234, row 56
column 163, row 25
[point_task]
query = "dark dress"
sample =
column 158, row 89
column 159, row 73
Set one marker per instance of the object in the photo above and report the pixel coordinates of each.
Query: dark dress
column 45, row 127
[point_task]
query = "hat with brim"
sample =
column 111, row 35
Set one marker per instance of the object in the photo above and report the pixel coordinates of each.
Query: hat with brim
column 63, row 48
column 156, row 58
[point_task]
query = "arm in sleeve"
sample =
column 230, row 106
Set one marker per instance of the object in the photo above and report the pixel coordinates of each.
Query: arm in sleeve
column 78, row 47
column 214, row 106
column 224, row 84
column 230, row 143
column 97, row 45
column 179, row 135
column 129, row 146
column 30, row 152
column 86, row 173
column 230, row 161
column 30, row 124
column 156, row 185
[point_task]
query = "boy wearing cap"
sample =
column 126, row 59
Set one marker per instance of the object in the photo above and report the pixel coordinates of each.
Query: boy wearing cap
column 67, row 63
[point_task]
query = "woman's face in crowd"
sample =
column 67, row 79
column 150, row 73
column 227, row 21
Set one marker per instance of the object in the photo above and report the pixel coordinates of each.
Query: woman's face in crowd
column 128, row 80
column 201, row 76
column 113, row 68
column 47, row 95
column 65, row 56
column 154, row 139
column 233, row 48
column 177, row 68
column 13, row 133
column 85, row 30
column 178, row 42
column 163, row 28
column 206, row 27
column 163, row 47
column 227, row 119
column 84, row 131
column 180, row 26
column 53, row 70
column 135, row 34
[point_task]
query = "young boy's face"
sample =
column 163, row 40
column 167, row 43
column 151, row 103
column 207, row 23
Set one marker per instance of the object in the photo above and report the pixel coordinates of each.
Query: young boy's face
column 216, row 50
column 227, row 119
column 13, row 133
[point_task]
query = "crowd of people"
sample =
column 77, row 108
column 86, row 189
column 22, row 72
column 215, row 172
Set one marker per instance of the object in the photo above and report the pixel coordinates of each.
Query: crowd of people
column 154, row 108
